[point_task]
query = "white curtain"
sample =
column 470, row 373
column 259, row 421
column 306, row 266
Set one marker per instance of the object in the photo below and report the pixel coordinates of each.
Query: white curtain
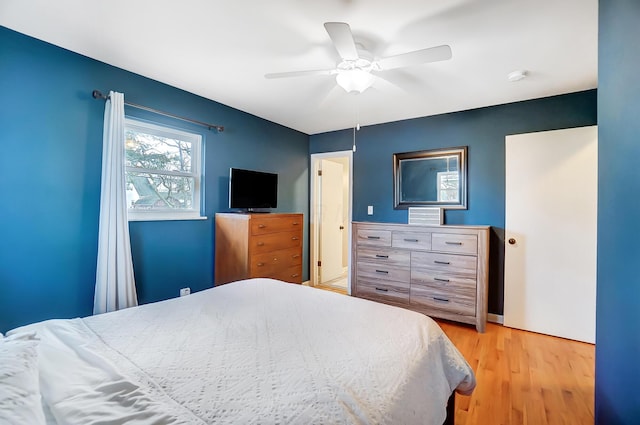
column 115, row 284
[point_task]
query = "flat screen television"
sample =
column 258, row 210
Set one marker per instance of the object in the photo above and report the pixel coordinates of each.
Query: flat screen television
column 249, row 189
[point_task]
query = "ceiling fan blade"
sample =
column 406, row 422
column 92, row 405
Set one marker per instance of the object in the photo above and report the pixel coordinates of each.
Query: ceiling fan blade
column 342, row 38
column 431, row 54
column 299, row 73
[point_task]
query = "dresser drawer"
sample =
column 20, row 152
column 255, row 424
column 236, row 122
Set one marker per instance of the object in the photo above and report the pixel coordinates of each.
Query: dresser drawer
column 271, row 262
column 366, row 237
column 411, row 240
column 445, row 263
column 275, row 241
column 456, row 243
column 382, row 272
column 459, row 303
column 291, row 274
column 384, row 256
column 273, row 224
column 394, row 292
column 449, row 282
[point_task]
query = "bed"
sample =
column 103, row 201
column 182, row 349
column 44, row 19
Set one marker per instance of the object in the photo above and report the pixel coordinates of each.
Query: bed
column 257, row 351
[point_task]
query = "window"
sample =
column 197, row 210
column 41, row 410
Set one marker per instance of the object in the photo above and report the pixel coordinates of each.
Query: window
column 162, row 167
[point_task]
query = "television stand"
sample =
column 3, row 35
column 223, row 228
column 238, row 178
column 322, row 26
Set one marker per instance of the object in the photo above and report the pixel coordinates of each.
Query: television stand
column 258, row 245
column 254, row 211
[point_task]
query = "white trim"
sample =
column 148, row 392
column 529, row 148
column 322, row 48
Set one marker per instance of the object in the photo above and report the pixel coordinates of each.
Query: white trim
column 495, row 318
column 162, row 130
column 165, row 217
column 196, row 141
column 313, row 227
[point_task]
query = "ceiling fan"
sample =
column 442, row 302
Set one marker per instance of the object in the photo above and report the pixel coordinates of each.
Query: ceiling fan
column 354, row 72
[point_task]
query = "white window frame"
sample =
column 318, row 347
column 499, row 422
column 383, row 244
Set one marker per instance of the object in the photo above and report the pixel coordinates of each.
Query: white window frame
column 196, row 173
column 441, row 177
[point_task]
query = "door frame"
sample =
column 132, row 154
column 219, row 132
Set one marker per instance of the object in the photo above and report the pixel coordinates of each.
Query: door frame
column 314, row 213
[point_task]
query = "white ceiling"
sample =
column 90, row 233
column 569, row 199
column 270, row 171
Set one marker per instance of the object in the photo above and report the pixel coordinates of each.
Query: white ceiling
column 221, row 50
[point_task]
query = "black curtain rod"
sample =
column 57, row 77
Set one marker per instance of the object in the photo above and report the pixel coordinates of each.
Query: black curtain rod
column 97, row 94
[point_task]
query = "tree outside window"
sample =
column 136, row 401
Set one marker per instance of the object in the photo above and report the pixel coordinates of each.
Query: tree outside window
column 162, row 171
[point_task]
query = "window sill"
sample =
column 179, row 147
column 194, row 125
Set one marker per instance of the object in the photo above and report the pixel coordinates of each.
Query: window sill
column 176, row 217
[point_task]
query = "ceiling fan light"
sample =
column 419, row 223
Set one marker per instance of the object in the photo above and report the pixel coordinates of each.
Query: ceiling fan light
column 355, row 80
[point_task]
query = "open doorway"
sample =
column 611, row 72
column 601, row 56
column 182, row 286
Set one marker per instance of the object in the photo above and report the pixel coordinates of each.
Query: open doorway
column 330, row 220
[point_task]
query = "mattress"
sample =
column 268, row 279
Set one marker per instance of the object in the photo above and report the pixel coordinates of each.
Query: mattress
column 258, row 351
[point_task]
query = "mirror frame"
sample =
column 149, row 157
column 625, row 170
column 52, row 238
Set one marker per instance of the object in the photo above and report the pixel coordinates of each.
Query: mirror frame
column 460, row 152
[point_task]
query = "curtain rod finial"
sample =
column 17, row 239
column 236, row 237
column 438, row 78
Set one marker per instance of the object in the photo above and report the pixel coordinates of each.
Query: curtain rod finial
column 97, row 94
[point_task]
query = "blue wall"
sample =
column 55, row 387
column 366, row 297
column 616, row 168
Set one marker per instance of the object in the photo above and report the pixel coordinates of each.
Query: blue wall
column 50, row 140
column 618, row 297
column 50, row 161
column 483, row 131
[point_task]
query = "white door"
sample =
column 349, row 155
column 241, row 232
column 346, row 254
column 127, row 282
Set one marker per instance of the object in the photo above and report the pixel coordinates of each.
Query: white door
column 550, row 221
column 331, row 220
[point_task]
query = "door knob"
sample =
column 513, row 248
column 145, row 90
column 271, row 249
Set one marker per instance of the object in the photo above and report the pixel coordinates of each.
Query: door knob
column 341, row 227
column 512, row 241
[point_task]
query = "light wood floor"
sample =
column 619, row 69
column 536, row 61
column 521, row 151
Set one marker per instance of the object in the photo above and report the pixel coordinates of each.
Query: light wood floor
column 338, row 284
column 524, row 377
column 332, row 289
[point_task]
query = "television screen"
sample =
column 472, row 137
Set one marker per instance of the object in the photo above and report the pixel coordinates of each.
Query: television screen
column 250, row 189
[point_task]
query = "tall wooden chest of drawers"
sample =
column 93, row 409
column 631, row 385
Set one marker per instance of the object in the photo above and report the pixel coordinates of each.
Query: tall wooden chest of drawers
column 258, row 245
column 441, row 271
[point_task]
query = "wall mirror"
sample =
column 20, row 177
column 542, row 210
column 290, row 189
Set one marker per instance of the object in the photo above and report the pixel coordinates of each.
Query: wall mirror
column 434, row 178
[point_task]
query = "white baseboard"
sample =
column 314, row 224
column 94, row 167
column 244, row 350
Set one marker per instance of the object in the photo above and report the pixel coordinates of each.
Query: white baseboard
column 495, row 318
column 307, row 283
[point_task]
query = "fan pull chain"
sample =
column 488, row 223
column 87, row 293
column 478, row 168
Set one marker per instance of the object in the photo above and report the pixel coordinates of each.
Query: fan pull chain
column 357, row 126
column 354, row 139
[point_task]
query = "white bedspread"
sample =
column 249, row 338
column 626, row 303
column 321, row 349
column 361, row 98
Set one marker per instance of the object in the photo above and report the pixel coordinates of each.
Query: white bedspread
column 251, row 352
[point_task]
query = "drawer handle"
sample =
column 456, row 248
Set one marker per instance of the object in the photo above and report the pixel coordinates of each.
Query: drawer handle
column 411, row 240
column 294, row 238
column 260, row 264
column 295, row 256
column 373, row 237
column 441, row 262
column 261, row 226
column 440, row 280
column 260, row 243
column 382, row 271
column 453, row 243
column 295, row 223
column 381, row 256
column 295, row 275
column 382, row 289
column 444, row 300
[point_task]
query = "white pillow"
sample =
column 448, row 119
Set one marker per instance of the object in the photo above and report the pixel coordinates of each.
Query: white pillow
column 20, row 400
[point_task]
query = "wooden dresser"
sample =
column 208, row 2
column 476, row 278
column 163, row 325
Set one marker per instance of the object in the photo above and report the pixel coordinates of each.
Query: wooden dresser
column 258, row 245
column 440, row 271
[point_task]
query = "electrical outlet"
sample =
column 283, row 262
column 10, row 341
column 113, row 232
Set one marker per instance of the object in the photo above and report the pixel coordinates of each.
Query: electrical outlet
column 370, row 210
column 185, row 292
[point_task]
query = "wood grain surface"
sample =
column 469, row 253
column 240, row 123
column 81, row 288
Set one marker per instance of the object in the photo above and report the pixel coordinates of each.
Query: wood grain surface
column 524, row 377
